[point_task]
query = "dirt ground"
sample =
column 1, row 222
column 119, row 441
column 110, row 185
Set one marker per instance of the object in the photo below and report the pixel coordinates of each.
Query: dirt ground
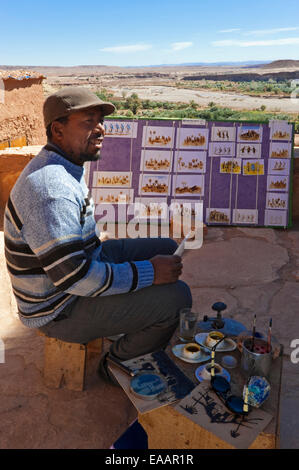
column 252, row 270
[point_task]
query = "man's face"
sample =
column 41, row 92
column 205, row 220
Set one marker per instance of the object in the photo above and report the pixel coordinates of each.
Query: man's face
column 82, row 135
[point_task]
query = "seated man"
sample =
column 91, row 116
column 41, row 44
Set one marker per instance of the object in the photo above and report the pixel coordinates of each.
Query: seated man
column 66, row 282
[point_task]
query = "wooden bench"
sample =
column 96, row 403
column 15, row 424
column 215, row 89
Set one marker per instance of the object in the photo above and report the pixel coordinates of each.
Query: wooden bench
column 65, row 363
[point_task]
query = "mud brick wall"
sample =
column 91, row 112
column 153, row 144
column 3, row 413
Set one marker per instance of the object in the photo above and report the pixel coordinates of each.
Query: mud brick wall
column 21, row 112
column 12, row 162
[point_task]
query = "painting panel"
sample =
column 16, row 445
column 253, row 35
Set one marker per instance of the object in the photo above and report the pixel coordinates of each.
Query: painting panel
column 156, row 160
column 250, row 133
column 223, row 134
column 154, row 184
column 192, row 138
column 277, row 201
column 249, row 150
column 110, row 179
column 188, row 185
column 222, row 149
column 253, row 167
column 280, row 150
column 276, row 183
column 276, row 218
column 157, row 136
column 277, row 166
column 190, row 162
column 231, row 165
column 245, row 216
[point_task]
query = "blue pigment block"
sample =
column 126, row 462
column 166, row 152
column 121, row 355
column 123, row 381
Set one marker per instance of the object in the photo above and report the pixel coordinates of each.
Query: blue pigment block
column 134, row 437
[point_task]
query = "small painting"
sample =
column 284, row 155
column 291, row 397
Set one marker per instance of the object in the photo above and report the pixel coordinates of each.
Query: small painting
column 154, row 184
column 222, row 149
column 156, row 136
column 150, row 208
column 192, row 138
column 205, row 408
column 277, row 201
column 232, row 165
column 111, row 179
column 187, row 207
column 156, row 160
column 249, row 150
column 188, row 185
column 245, row 216
column 276, row 218
column 253, row 167
column 250, row 133
column 280, row 150
column 190, row 162
column 112, row 196
column 278, row 166
column 218, row 216
column 121, row 129
column 280, row 130
column 276, row 183
column 223, row 134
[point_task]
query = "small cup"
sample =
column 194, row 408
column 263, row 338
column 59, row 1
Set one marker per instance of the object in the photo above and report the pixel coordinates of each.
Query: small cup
column 206, row 372
column 191, row 351
column 213, row 338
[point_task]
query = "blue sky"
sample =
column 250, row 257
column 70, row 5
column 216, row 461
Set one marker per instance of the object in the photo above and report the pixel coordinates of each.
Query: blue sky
column 63, row 32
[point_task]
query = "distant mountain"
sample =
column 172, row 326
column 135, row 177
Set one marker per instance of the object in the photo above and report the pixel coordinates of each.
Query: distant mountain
column 282, row 64
column 249, row 63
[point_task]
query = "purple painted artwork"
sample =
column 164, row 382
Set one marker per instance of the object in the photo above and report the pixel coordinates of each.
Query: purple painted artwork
column 230, row 167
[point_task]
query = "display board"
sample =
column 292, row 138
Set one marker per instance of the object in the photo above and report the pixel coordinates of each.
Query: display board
column 239, row 171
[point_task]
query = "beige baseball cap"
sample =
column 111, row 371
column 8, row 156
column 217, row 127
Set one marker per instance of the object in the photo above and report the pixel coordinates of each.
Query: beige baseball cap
column 70, row 99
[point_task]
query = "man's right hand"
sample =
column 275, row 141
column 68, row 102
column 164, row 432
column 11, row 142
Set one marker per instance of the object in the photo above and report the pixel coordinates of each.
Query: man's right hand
column 167, row 268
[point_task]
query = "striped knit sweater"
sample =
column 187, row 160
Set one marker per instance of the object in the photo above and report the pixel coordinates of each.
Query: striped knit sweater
column 52, row 251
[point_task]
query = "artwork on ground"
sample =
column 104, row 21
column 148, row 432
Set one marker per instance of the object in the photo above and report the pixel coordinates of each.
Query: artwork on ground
column 177, row 384
column 230, row 167
column 205, row 409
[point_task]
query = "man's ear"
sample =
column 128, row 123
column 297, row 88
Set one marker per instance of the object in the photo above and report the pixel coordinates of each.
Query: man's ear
column 57, row 130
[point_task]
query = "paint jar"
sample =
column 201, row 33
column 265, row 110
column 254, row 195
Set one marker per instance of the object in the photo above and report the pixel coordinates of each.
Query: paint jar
column 256, row 362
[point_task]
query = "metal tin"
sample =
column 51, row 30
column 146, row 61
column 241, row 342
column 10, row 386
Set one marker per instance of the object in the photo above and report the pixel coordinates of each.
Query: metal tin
column 255, row 363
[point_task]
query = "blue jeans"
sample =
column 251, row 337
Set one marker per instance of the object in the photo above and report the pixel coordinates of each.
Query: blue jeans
column 147, row 318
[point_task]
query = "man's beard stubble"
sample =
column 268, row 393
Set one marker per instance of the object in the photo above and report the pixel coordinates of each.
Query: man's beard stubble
column 90, row 157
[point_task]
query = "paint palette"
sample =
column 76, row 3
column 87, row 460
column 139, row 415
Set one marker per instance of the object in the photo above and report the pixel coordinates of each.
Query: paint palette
column 147, row 385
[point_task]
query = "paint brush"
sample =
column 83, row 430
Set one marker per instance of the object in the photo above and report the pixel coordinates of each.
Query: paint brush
column 253, row 332
column 269, row 336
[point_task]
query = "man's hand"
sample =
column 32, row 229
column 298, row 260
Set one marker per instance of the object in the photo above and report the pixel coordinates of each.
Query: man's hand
column 167, row 268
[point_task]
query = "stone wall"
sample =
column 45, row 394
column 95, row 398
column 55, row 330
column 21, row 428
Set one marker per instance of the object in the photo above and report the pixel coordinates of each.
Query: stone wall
column 21, row 112
column 12, row 162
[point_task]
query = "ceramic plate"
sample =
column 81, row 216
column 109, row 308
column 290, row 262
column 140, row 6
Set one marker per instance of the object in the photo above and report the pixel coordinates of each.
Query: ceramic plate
column 226, row 345
column 199, row 370
column 178, row 352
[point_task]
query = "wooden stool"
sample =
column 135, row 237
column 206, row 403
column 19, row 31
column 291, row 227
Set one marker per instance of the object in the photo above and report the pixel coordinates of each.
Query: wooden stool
column 65, row 363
